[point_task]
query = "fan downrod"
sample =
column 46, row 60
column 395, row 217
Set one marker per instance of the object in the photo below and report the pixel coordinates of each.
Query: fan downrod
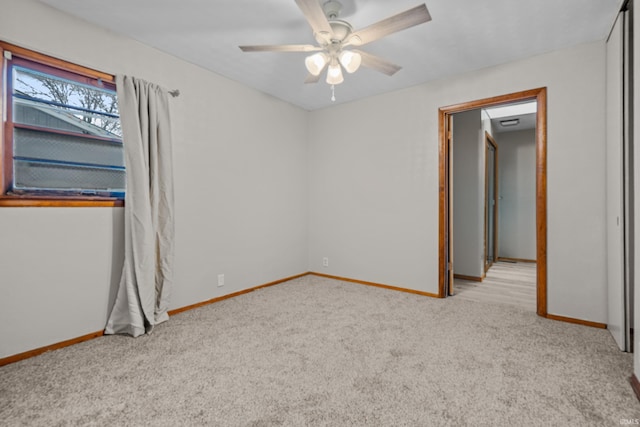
column 332, row 9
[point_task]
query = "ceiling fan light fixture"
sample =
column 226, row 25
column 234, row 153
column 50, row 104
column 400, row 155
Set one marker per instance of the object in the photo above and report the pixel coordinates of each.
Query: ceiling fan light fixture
column 315, row 63
column 333, row 35
column 350, row 60
column 334, row 74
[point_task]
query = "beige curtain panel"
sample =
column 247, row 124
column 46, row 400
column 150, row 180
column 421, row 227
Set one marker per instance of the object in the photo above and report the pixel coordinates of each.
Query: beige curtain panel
column 145, row 286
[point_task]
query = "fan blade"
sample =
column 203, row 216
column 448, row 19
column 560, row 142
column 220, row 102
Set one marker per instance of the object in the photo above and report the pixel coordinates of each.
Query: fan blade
column 314, row 14
column 378, row 64
column 312, row 79
column 281, row 48
column 407, row 19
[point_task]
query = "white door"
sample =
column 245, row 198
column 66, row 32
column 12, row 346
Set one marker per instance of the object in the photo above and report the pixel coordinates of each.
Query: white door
column 614, row 184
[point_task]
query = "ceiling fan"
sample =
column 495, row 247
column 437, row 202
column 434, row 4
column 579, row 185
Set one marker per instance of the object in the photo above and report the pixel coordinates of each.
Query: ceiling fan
column 334, row 36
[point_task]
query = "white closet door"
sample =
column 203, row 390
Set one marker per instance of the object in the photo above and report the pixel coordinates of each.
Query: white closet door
column 614, row 182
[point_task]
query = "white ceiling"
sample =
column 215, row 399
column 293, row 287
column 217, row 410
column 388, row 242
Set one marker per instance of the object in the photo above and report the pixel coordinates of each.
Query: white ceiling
column 464, row 35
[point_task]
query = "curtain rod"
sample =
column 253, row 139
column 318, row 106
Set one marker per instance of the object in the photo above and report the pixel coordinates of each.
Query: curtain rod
column 175, row 93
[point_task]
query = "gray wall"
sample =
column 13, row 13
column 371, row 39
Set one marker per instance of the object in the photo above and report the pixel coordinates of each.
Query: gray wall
column 468, row 194
column 517, row 190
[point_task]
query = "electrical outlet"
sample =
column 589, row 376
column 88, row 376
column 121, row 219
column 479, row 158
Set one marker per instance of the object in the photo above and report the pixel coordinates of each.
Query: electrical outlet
column 325, row 262
column 220, row 280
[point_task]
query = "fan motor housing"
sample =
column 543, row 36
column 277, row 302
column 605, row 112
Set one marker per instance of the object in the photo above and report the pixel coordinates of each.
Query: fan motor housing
column 341, row 30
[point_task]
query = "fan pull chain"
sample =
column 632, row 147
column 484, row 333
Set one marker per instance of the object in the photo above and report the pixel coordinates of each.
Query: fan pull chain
column 333, row 93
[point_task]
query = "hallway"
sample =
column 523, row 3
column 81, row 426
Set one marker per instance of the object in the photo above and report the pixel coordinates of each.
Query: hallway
column 512, row 283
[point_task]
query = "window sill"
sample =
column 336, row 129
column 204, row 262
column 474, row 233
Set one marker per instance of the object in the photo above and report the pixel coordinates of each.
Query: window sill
column 67, row 202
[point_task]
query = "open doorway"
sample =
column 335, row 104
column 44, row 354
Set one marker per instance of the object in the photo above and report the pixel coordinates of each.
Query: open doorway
column 488, row 221
column 494, row 198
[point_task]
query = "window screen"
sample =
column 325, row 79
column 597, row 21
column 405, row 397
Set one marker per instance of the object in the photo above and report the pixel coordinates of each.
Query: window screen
column 66, row 135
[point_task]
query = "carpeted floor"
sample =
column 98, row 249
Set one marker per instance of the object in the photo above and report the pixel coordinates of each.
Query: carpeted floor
column 315, row 351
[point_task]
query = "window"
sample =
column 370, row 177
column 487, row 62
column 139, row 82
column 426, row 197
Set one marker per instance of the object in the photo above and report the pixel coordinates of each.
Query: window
column 61, row 139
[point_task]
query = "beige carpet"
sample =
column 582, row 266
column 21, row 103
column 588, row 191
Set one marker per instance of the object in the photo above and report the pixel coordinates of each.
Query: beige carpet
column 315, row 351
